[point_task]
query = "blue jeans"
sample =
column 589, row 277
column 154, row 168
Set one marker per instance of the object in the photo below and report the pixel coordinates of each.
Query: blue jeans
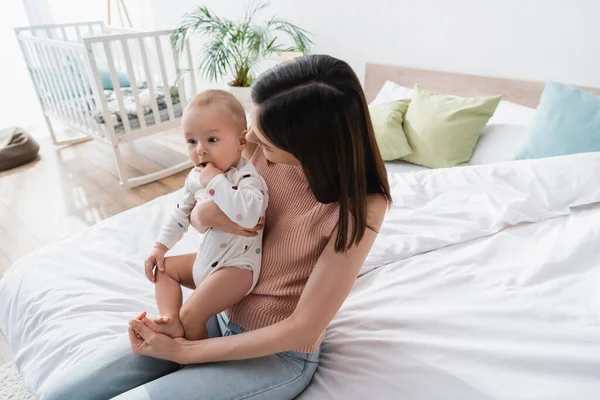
column 117, row 372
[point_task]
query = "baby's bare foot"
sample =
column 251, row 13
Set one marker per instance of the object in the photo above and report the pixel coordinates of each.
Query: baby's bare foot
column 169, row 325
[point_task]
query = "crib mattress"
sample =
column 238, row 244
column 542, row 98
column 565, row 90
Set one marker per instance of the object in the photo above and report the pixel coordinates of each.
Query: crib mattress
column 130, row 105
column 134, row 122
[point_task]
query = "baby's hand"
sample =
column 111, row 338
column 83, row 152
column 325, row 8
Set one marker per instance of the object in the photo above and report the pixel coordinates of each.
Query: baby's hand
column 155, row 258
column 207, row 173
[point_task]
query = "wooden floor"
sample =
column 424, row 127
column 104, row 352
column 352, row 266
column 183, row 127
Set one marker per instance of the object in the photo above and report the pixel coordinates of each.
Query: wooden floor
column 71, row 188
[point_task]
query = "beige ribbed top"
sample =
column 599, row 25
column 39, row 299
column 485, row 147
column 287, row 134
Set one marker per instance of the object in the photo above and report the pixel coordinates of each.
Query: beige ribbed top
column 297, row 229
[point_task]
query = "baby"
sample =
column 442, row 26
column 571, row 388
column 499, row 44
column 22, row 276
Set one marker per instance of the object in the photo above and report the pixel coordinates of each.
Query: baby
column 214, row 124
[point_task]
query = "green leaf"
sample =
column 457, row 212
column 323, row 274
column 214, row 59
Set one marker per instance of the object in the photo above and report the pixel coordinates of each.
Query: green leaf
column 234, row 49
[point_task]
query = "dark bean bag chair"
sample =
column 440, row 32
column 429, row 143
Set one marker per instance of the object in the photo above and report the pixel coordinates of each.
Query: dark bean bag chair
column 17, row 147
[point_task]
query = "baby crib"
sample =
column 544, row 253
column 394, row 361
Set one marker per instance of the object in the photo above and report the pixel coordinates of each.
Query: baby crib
column 111, row 84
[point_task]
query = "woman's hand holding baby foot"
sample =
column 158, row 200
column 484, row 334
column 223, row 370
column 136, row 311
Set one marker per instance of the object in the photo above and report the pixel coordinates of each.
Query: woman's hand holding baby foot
column 146, row 341
column 169, row 325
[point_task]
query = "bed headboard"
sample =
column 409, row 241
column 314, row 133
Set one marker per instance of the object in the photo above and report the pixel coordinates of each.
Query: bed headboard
column 526, row 93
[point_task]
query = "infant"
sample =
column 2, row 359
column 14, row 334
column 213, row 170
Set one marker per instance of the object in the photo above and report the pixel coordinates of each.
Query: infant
column 226, row 266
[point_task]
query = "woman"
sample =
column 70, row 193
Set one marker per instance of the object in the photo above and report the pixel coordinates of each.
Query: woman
column 312, row 141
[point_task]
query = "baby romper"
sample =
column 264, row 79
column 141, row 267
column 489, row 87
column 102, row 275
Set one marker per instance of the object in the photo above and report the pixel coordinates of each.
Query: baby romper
column 241, row 193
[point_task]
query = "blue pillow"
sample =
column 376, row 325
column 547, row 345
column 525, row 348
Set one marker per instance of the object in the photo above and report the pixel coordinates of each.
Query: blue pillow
column 567, row 121
column 105, row 77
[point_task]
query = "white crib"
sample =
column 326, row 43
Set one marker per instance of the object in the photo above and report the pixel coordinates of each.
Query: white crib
column 112, row 84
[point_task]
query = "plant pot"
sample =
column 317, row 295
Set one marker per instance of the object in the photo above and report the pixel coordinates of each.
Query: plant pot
column 289, row 55
column 243, row 94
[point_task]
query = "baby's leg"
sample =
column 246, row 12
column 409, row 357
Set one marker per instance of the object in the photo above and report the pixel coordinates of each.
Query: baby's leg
column 178, row 271
column 219, row 291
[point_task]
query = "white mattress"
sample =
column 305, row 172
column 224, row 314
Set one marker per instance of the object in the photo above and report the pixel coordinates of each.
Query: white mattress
column 484, row 283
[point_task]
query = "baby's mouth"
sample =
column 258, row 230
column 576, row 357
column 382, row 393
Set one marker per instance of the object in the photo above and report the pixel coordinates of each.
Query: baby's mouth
column 202, row 164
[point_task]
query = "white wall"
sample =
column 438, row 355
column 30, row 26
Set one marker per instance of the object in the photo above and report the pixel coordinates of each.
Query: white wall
column 64, row 11
column 18, row 101
column 521, row 39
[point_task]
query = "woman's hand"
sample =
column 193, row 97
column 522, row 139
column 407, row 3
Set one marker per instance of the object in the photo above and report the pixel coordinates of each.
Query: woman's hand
column 208, row 214
column 156, row 258
column 144, row 341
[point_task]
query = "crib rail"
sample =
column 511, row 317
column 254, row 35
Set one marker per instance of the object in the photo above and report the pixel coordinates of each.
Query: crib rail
column 71, row 65
column 62, row 81
column 149, row 63
column 73, row 32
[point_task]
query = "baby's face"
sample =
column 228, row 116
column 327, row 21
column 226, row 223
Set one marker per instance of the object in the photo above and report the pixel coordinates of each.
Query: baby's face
column 212, row 135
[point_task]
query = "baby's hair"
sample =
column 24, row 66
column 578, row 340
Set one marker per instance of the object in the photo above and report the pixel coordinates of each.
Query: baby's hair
column 209, row 97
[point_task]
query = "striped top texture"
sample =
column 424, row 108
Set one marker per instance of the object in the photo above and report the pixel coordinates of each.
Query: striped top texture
column 297, row 229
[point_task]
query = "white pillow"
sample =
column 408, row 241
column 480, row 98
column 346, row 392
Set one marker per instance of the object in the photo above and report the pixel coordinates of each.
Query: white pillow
column 504, row 135
column 392, row 91
column 512, row 113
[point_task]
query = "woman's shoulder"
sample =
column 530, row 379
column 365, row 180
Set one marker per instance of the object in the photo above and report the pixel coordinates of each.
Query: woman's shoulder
column 377, row 206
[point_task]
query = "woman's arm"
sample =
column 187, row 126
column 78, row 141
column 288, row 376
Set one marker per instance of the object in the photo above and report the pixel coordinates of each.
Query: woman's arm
column 328, row 286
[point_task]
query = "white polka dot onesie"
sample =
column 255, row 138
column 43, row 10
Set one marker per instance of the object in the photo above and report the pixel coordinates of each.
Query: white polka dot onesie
column 241, row 193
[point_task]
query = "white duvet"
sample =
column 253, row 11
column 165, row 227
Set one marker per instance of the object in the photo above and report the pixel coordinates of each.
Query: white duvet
column 484, row 283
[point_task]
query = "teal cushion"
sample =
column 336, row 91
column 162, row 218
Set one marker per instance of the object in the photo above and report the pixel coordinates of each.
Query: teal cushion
column 54, row 76
column 567, row 121
column 105, row 77
column 60, row 75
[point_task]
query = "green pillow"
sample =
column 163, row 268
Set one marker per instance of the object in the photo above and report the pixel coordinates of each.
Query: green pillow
column 387, row 123
column 442, row 130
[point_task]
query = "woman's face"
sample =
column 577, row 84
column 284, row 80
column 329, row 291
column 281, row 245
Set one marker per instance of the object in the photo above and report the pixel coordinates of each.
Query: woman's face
column 272, row 153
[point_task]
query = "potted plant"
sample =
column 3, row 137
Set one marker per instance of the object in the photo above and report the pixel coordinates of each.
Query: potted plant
column 234, row 49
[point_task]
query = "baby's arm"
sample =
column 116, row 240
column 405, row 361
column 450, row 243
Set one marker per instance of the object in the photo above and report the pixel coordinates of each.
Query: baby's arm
column 178, row 221
column 243, row 203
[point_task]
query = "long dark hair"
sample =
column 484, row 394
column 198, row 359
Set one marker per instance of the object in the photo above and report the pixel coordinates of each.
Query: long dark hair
column 314, row 108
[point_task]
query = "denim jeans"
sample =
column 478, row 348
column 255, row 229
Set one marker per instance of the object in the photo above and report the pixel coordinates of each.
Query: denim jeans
column 115, row 372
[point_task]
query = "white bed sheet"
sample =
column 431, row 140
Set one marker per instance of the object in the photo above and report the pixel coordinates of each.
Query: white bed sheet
column 514, row 316
column 401, row 167
column 459, row 298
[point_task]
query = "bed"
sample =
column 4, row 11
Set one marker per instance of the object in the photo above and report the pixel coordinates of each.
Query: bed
column 484, row 283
